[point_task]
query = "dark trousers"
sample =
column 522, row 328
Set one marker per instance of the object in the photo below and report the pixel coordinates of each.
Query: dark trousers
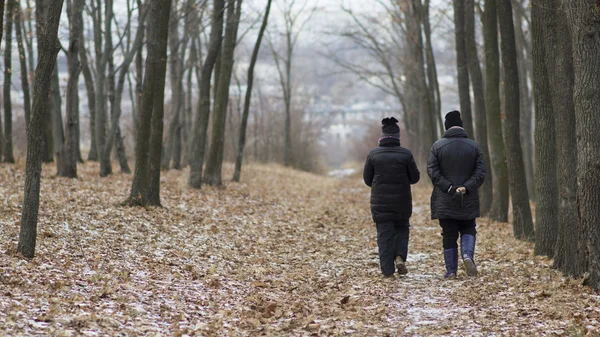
column 392, row 240
column 451, row 228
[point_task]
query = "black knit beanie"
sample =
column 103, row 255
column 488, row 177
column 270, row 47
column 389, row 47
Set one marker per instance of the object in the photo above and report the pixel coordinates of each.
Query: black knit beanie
column 453, row 119
column 389, row 128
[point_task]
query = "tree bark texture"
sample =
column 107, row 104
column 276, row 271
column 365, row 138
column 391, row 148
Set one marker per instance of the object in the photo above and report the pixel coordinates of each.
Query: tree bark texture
column 214, row 164
column 522, row 221
column 8, row 155
column 58, row 133
column 481, row 134
column 70, row 153
column 23, row 64
column 145, row 188
column 48, row 49
column 462, row 66
column 201, row 123
column 583, row 17
column 499, row 210
column 244, row 125
column 559, row 64
column 526, row 126
column 546, row 215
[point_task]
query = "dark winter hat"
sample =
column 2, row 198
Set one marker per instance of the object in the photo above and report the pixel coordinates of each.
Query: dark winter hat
column 389, row 128
column 453, row 119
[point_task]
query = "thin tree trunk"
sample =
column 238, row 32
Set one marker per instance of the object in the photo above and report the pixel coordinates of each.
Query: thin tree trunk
column 8, row 147
column 526, row 126
column 174, row 56
column 156, row 136
column 244, row 124
column 522, row 221
column 432, row 75
column 584, row 21
column 91, row 94
column 57, row 121
column 546, row 214
column 40, row 12
column 481, row 134
column 201, row 123
column 70, row 154
column 23, row 63
column 462, row 66
column 48, row 50
column 214, row 164
column 103, row 52
column 499, row 210
column 145, row 188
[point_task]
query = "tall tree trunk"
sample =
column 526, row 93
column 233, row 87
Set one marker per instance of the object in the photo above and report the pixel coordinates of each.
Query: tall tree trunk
column 559, row 64
column 48, row 50
column 8, row 147
column 462, row 66
column 139, row 73
column 522, row 221
column 145, row 188
column 103, row 52
column 584, row 22
column 91, row 95
column 174, row 42
column 214, row 163
column 156, row 136
column 546, row 185
column 40, row 12
column 481, row 134
column 70, row 154
column 23, row 63
column 526, row 126
column 242, row 138
column 201, row 123
column 499, row 210
column 432, row 76
column 1, row 31
column 57, row 121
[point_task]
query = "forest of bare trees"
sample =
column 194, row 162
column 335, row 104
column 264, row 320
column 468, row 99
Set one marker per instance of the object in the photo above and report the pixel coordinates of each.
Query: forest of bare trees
column 164, row 88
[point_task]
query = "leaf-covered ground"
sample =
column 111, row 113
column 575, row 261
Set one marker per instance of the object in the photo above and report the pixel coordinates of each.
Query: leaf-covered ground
column 283, row 253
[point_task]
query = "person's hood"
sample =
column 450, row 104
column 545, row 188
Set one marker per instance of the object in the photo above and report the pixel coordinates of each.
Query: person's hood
column 456, row 132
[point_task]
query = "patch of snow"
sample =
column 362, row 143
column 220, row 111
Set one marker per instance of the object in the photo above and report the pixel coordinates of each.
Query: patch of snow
column 341, row 173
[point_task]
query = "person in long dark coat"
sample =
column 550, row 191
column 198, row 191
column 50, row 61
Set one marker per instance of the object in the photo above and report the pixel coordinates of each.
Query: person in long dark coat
column 389, row 170
column 457, row 170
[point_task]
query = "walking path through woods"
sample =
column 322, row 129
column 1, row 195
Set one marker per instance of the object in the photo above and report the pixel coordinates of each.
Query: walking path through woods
column 283, row 253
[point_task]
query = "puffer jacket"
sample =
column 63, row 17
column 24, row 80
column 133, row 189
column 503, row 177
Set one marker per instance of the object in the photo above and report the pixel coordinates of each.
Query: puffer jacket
column 390, row 170
column 455, row 160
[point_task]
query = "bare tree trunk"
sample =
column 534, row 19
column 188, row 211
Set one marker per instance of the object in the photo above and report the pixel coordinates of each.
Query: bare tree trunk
column 576, row 99
column 201, row 123
column 545, row 149
column 1, row 31
column 145, row 188
column 23, row 63
column 57, row 121
column 103, row 52
column 526, row 126
column 462, row 66
column 242, row 138
column 522, row 221
column 214, row 164
column 481, row 134
column 48, row 49
column 8, row 147
column 499, row 210
column 432, row 76
column 70, row 153
column 40, row 11
column 584, row 21
column 91, row 95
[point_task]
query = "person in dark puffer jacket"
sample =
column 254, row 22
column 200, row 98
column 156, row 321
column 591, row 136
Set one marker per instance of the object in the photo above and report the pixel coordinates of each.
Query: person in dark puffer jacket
column 390, row 170
column 457, row 170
